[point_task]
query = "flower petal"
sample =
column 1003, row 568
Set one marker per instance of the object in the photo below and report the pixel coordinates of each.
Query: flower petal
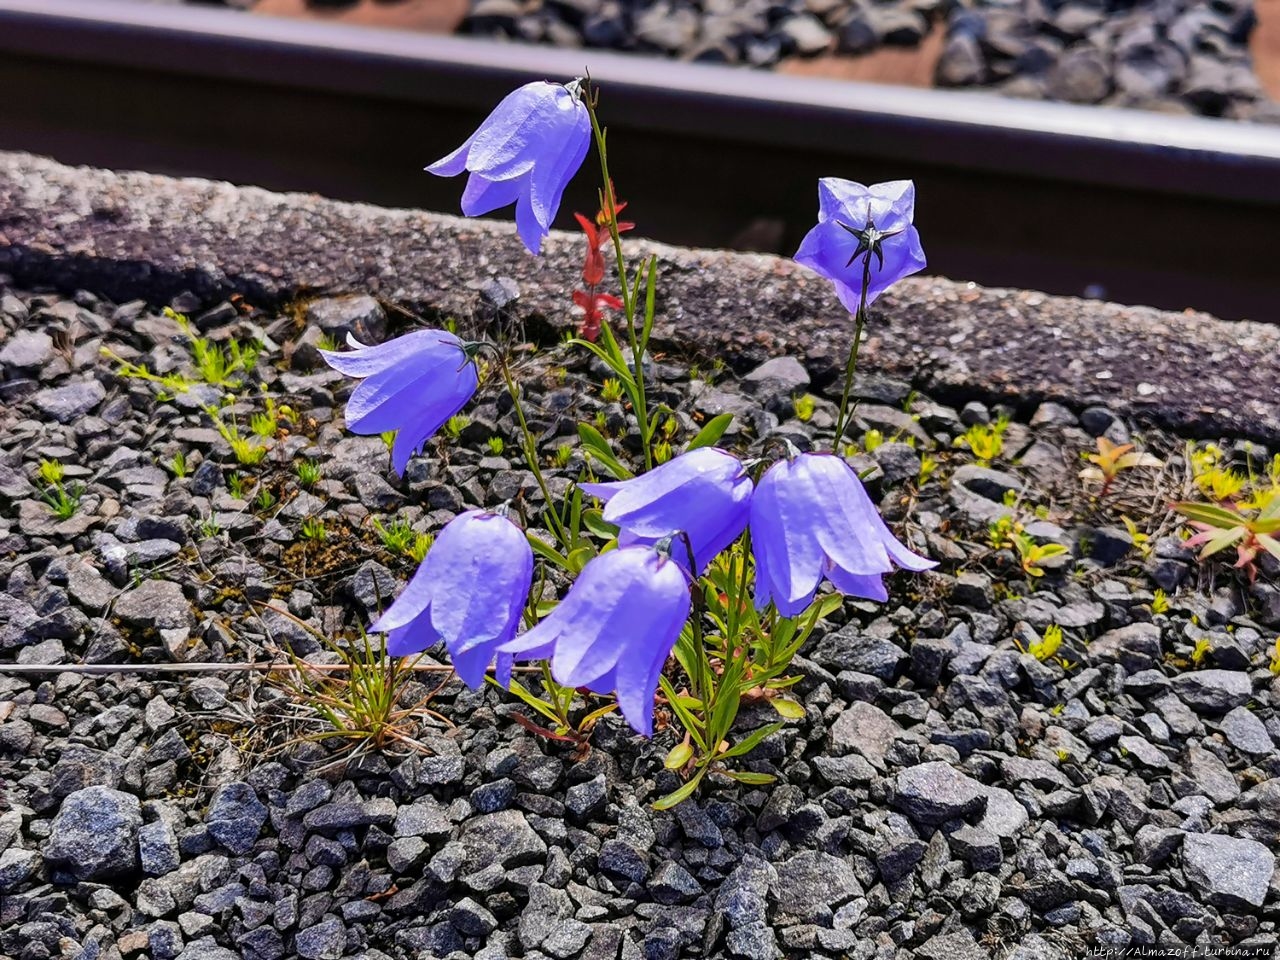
column 367, row 361
column 483, row 195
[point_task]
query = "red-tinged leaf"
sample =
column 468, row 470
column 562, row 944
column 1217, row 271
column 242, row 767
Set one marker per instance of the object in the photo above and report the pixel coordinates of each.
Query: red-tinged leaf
column 1215, row 516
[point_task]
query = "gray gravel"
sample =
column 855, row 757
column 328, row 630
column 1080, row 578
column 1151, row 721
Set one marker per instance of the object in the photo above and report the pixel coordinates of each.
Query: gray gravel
column 944, row 795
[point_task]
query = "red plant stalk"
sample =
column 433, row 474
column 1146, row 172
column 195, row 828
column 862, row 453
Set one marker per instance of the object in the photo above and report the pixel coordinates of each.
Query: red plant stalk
column 591, row 301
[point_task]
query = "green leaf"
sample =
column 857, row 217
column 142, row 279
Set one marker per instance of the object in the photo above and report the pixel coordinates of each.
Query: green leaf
column 650, row 288
column 547, row 552
column 579, row 558
column 1214, row 516
column 1269, row 544
column 611, row 358
column 1223, row 540
column 518, row 689
column 787, row 708
column 678, row 756
column 594, row 521
column 750, row 741
column 751, row 777
column 598, row 447
column 711, row 431
column 687, row 719
column 676, row 796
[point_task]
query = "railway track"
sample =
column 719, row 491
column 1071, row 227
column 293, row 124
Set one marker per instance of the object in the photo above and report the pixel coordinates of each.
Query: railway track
column 1142, row 208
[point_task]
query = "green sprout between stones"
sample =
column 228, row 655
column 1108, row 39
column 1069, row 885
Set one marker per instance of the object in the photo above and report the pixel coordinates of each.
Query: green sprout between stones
column 928, row 466
column 496, row 446
column 397, row 537
column 388, row 438
column 454, row 426
column 208, row 527
column 1046, row 647
column 308, row 472
column 984, row 440
column 62, row 499
column 327, row 341
column 1111, row 460
column 872, row 440
column 313, row 529
column 263, row 425
column 804, row 406
column 1202, row 649
column 178, row 465
column 265, row 500
column 1159, row 602
column 611, row 390
column 235, row 484
column 562, row 456
column 417, row 550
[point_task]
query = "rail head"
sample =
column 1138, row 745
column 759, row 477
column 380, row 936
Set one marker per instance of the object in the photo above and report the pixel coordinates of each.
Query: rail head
column 983, row 132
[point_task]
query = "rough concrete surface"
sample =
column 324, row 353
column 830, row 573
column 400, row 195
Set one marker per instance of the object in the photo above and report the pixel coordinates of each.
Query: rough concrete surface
column 135, row 235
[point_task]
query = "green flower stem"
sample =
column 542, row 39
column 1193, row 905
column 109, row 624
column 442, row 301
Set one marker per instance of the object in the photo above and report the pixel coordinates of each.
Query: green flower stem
column 531, row 454
column 851, row 368
column 629, row 296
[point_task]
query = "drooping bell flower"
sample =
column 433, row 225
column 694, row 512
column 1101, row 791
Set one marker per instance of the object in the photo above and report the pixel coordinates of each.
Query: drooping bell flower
column 863, row 232
column 525, row 152
column 411, row 384
column 614, row 629
column 469, row 592
column 810, row 519
column 704, row 493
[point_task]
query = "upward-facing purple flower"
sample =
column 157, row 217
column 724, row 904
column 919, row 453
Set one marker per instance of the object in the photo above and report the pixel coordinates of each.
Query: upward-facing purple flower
column 525, row 153
column 811, row 518
column 614, row 629
column 857, row 224
column 704, row 493
column 469, row 592
column 412, row 384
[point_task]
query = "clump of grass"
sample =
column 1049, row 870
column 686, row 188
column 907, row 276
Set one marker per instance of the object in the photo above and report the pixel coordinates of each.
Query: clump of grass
column 362, row 704
column 308, row 472
column 417, row 550
column 218, row 365
column 396, row 536
column 265, row 500
column 236, row 484
column 62, row 499
column 178, row 465
column 496, row 446
column 208, row 527
column 611, row 390
column 562, row 456
column 313, row 529
column 1159, row 602
column 984, row 440
column 456, row 424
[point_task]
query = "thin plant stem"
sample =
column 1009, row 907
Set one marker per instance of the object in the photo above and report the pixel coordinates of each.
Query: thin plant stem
column 531, row 453
column 851, row 368
column 629, row 297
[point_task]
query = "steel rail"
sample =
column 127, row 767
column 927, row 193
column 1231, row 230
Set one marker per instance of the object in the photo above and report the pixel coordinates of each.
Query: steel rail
column 1170, row 211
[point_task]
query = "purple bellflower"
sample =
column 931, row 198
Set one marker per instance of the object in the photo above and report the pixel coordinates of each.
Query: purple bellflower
column 411, row 384
column 469, row 592
column 811, row 518
column 863, row 233
column 525, row 153
column 615, row 628
column 704, row 493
